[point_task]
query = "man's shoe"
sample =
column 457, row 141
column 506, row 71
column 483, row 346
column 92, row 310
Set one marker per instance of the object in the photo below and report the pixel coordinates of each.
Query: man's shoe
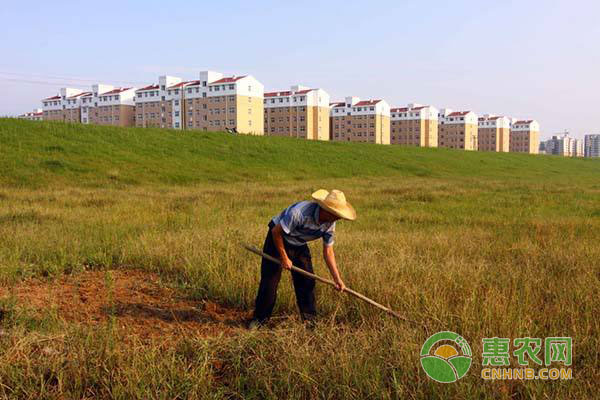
column 309, row 320
column 254, row 324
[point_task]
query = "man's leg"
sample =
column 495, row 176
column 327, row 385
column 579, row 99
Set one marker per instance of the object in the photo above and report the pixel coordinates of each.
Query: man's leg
column 304, row 286
column 270, row 273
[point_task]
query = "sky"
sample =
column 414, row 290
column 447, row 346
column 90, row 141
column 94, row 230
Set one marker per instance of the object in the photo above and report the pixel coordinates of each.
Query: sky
column 525, row 59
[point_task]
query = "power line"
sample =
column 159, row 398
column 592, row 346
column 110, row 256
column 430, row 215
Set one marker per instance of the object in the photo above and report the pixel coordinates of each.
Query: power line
column 39, row 82
column 20, row 75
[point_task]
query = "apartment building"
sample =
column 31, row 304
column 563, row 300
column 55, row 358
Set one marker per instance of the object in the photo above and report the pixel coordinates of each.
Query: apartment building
column 103, row 105
column 155, row 104
column 72, row 107
column 592, row 145
column 457, row 129
column 212, row 102
column 115, row 107
column 36, row 115
column 493, row 133
column 300, row 112
column 360, row 121
column 216, row 103
column 54, row 107
column 414, row 125
column 524, row 136
column 89, row 101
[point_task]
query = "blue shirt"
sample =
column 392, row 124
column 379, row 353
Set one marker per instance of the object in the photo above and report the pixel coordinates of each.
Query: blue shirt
column 300, row 224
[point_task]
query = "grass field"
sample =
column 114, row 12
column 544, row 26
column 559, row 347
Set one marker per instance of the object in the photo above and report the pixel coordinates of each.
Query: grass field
column 482, row 244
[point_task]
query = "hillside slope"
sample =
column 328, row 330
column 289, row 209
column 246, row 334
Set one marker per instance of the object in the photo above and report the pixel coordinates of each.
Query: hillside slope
column 40, row 154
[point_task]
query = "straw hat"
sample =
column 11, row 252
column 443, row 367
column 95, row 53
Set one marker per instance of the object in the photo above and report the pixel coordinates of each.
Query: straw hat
column 335, row 202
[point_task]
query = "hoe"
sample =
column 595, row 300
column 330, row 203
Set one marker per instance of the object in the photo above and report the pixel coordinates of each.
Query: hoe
column 331, row 283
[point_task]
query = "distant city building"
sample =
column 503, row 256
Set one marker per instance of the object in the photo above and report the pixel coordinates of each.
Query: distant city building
column 414, row 125
column 542, row 148
column 360, row 121
column 457, row 129
column 592, row 145
column 564, row 145
column 300, row 112
column 36, row 115
column 493, row 133
column 525, row 137
column 577, row 148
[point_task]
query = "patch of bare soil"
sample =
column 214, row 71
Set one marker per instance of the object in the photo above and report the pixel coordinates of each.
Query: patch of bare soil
column 139, row 303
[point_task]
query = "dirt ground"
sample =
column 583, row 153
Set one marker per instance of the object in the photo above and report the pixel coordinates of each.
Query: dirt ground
column 140, row 304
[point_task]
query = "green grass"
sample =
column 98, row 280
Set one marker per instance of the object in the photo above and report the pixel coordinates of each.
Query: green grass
column 43, row 154
column 483, row 244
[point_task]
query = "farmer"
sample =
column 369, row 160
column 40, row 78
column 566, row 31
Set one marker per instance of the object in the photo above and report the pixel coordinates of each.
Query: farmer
column 286, row 240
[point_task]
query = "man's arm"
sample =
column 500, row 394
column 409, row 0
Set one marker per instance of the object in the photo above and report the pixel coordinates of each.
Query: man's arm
column 329, row 257
column 278, row 239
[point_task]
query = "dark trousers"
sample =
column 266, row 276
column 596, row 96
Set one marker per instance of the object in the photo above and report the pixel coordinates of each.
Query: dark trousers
column 270, row 274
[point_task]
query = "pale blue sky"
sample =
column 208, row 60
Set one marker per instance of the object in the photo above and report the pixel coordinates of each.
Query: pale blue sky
column 527, row 59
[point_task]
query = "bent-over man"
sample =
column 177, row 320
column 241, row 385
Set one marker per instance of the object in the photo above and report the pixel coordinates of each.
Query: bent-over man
column 286, row 239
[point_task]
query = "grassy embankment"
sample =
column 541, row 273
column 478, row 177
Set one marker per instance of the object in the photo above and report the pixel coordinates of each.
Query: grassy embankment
column 482, row 244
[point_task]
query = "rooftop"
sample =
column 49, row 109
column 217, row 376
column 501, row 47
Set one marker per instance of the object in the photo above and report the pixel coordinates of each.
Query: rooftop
column 366, row 103
column 228, row 79
column 79, row 95
column 287, row 93
column 182, row 84
column 402, row 109
column 458, row 113
column 115, row 91
column 150, row 87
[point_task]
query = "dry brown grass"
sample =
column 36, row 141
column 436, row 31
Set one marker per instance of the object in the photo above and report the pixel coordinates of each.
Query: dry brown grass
column 482, row 258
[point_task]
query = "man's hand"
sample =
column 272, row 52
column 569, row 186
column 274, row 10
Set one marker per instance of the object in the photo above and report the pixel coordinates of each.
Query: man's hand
column 277, row 232
column 286, row 263
column 339, row 284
